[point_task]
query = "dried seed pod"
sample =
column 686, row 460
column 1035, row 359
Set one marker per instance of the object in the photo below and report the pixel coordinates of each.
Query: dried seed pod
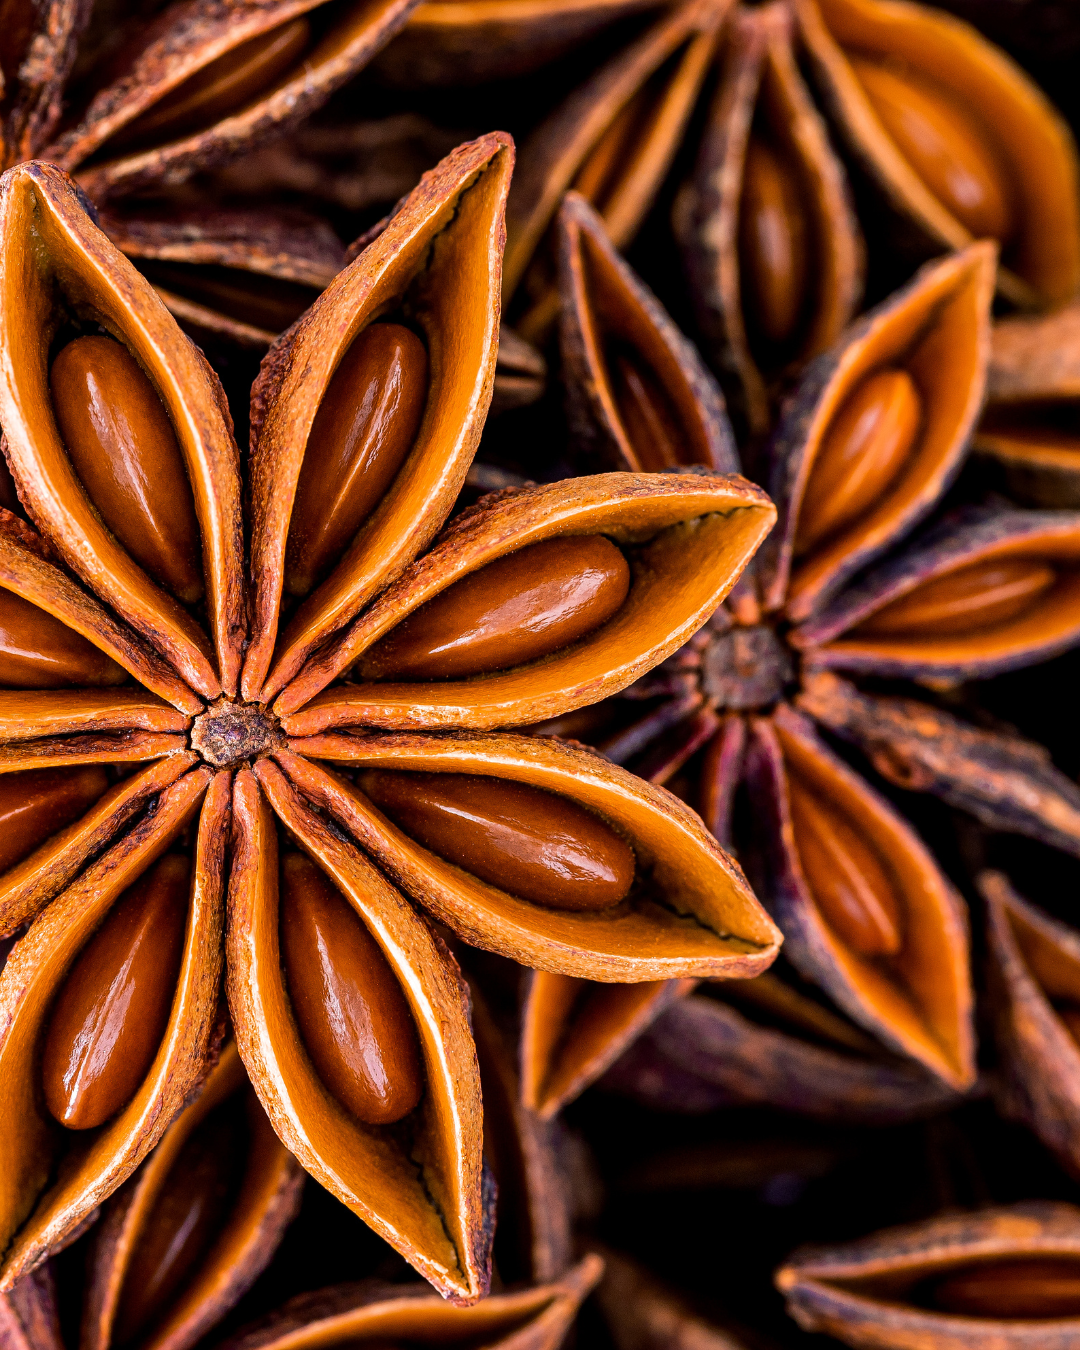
column 454, row 42
column 640, row 397
column 612, row 140
column 377, row 1315
column 864, row 911
column 936, row 332
column 765, row 1042
column 78, row 277
column 195, row 86
column 433, row 1213
column 644, row 1314
column 680, row 870
column 985, row 591
column 37, row 1211
column 956, row 139
column 38, row 52
column 1034, row 965
column 520, row 373
column 573, row 1030
column 186, row 1237
column 1036, row 452
column 773, row 251
column 450, row 229
column 1005, row 1276
column 686, row 538
column 239, row 275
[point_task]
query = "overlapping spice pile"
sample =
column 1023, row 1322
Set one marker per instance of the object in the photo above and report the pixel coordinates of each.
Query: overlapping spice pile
column 539, row 628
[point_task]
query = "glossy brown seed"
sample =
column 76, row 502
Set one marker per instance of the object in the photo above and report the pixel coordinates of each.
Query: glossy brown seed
column 114, row 1006
column 222, row 86
column 36, row 804
column 524, row 606
column 124, row 450
column 965, row 601
column 647, row 416
column 349, row 1007
column 861, row 454
column 846, row 877
column 1031, row 1288
column 773, row 261
column 364, row 429
column 945, row 146
column 184, row 1223
column 526, row 841
column 39, row 652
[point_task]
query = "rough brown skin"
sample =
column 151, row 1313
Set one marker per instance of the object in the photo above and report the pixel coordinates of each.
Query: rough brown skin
column 608, row 298
column 1030, row 1229
column 1035, row 357
column 758, row 47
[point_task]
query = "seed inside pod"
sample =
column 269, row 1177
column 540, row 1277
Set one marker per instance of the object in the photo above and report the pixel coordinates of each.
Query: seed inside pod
column 772, row 244
column 124, row 450
column 522, row 607
column 949, row 151
column 968, row 600
column 39, row 652
column 861, row 454
column 185, row 1221
column 352, row 1015
column 846, row 876
column 222, row 86
column 647, row 416
column 1033, row 1288
column 38, row 803
column 364, row 429
column 112, row 1011
column 528, row 842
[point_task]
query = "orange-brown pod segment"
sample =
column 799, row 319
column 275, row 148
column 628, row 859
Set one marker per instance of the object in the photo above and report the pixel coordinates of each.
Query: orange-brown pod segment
column 648, row 417
column 522, row 607
column 1025, row 1289
column 184, row 1223
column 124, row 450
column 222, row 86
column 364, row 429
column 37, row 651
column 112, row 1011
column 528, row 842
column 36, row 804
column 773, row 247
column 352, row 1016
column 972, row 598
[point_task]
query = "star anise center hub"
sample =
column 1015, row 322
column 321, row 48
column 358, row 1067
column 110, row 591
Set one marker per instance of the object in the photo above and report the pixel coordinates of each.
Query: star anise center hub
column 229, row 732
column 747, row 667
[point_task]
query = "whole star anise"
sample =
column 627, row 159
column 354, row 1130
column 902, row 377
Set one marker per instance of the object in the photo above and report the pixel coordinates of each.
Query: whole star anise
column 166, row 705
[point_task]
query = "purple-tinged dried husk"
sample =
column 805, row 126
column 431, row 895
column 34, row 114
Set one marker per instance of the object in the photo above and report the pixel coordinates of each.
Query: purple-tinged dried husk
column 212, row 266
column 35, row 77
column 938, row 329
column 196, row 33
column 702, row 1054
column 29, row 1316
column 352, row 1315
column 917, row 1002
column 644, row 1314
column 1048, row 625
column 1004, row 781
column 856, row 1291
column 572, row 1030
column 761, row 79
column 606, row 307
column 1034, row 975
column 455, row 42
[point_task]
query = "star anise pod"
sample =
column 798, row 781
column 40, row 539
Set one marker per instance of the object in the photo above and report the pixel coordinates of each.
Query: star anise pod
column 357, row 635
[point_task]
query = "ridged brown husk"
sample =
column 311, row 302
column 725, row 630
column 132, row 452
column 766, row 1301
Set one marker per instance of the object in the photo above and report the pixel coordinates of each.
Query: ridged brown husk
column 239, row 275
column 1036, row 151
column 201, row 31
column 762, row 91
column 454, row 42
column 537, row 1318
column 266, row 1203
column 442, row 253
column 861, row 1291
column 656, row 79
column 1034, row 965
column 782, row 1051
column 608, row 312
